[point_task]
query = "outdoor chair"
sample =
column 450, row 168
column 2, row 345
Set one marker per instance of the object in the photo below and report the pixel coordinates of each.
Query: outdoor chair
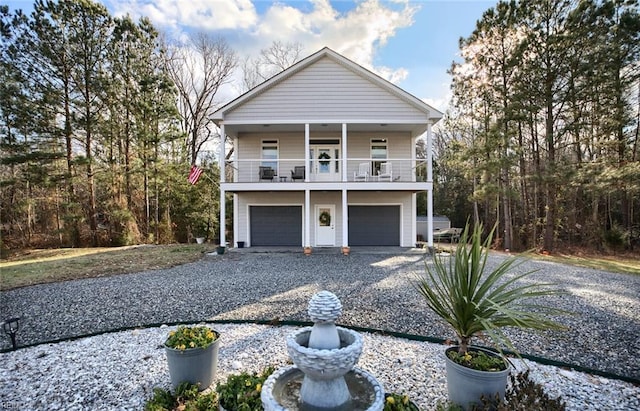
column 363, row 172
column 297, row 173
column 266, row 173
column 385, row 172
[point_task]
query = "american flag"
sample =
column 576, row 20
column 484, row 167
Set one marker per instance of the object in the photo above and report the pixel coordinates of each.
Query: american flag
column 194, row 175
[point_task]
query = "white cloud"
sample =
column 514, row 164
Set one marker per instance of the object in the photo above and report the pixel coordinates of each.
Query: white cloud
column 393, row 75
column 196, row 14
column 440, row 104
column 357, row 33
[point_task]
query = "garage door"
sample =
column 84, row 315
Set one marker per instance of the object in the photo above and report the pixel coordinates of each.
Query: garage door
column 276, row 225
column 374, row 225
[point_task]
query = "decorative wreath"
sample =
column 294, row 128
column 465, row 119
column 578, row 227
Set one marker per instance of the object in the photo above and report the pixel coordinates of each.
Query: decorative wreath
column 325, row 218
column 324, row 156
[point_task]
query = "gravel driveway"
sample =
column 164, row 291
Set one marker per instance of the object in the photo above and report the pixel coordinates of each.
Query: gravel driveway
column 374, row 288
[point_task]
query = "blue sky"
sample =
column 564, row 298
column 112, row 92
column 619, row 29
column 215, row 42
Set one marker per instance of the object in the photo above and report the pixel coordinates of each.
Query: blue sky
column 411, row 43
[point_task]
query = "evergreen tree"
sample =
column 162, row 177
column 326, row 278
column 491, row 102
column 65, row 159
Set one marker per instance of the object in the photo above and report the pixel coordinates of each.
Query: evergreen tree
column 546, row 93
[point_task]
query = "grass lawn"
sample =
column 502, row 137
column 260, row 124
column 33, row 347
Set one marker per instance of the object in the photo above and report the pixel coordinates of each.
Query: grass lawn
column 614, row 264
column 625, row 264
column 46, row 266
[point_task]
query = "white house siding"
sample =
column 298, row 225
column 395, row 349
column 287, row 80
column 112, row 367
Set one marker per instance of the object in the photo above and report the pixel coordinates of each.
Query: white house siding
column 245, row 200
column 290, row 153
column 403, row 199
column 325, row 91
column 399, row 146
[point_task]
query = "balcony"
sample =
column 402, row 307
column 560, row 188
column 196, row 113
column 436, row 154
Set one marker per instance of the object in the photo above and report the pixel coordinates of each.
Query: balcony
column 365, row 170
column 327, row 174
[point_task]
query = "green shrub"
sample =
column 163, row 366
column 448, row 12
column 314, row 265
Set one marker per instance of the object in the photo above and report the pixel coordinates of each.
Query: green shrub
column 186, row 398
column 241, row 392
column 616, row 237
column 162, row 400
column 523, row 395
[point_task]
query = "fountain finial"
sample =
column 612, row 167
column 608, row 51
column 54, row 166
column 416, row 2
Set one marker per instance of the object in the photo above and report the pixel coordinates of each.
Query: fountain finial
column 324, row 306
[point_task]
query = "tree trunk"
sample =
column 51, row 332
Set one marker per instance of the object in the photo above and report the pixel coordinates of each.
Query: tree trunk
column 551, row 184
column 91, row 188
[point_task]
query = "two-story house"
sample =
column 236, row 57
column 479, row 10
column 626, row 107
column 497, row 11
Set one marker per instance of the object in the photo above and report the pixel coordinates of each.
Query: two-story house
column 325, row 156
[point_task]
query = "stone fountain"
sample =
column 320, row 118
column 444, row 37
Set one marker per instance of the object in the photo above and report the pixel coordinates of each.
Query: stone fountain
column 324, row 377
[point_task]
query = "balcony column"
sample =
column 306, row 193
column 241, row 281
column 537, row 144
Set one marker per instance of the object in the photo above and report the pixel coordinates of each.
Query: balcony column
column 306, row 153
column 430, row 187
column 221, row 154
column 414, row 196
column 414, row 160
column 344, row 152
column 345, row 219
column 307, row 218
column 236, row 212
column 221, row 160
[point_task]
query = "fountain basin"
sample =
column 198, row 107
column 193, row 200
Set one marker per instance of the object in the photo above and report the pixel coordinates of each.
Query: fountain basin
column 323, row 364
column 281, row 392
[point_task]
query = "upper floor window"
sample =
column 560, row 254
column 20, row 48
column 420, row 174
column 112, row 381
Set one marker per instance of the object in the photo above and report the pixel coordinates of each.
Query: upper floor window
column 378, row 154
column 270, row 154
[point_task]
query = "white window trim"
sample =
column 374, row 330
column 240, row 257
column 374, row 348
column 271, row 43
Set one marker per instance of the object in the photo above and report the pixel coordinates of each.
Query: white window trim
column 270, row 142
column 378, row 141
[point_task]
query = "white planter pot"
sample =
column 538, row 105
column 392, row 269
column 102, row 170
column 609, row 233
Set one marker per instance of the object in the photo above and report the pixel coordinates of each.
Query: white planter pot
column 467, row 386
column 195, row 365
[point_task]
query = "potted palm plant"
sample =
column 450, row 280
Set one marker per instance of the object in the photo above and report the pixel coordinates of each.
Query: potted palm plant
column 475, row 301
column 192, row 355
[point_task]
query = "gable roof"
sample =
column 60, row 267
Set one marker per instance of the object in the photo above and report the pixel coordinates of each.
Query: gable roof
column 418, row 104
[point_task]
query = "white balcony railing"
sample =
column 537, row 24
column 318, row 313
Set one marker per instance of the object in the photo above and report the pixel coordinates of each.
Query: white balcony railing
column 330, row 170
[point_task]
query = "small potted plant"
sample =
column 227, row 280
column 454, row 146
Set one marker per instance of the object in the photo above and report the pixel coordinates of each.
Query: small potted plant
column 476, row 300
column 200, row 226
column 192, row 355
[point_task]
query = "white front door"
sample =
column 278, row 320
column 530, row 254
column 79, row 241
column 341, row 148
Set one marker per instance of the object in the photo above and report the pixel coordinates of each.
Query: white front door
column 325, row 226
column 325, row 164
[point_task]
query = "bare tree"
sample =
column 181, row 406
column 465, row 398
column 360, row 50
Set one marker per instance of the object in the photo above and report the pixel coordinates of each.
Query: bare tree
column 198, row 71
column 281, row 56
column 272, row 60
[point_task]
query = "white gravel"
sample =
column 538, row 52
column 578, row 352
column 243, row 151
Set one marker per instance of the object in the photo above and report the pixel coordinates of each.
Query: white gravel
column 375, row 292
column 118, row 371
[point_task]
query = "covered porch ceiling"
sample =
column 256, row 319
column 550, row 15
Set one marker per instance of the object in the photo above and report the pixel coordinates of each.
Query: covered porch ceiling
column 233, row 130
